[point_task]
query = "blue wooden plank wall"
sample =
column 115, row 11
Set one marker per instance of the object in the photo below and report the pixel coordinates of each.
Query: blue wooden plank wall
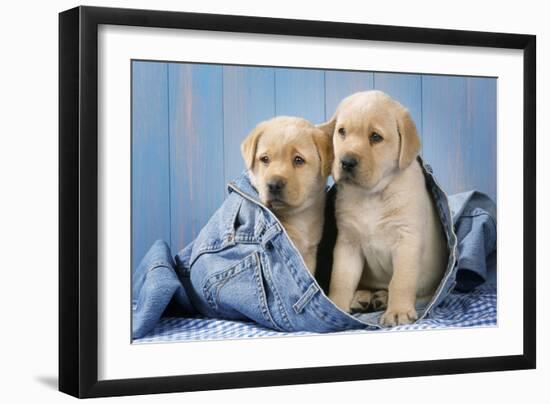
column 150, row 157
column 195, row 111
column 242, row 88
column 188, row 121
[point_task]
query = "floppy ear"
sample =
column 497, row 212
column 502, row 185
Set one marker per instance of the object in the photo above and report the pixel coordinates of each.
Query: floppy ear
column 328, row 126
column 323, row 142
column 248, row 146
column 409, row 140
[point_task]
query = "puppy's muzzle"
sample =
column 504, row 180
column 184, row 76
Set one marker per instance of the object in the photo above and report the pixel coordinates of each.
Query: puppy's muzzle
column 276, row 185
column 348, row 163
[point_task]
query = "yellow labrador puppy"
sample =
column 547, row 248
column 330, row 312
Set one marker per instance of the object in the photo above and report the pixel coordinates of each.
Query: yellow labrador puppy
column 289, row 161
column 390, row 249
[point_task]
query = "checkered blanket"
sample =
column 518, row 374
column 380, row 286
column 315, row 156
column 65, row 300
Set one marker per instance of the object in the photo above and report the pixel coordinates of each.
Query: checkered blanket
column 474, row 309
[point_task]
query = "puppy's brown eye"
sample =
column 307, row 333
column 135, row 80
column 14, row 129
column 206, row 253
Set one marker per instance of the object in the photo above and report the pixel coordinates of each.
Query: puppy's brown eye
column 264, row 159
column 376, row 138
column 342, row 132
column 298, row 161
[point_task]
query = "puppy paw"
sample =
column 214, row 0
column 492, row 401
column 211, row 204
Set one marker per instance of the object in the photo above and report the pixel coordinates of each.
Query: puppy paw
column 393, row 317
column 365, row 301
column 379, row 300
column 361, row 301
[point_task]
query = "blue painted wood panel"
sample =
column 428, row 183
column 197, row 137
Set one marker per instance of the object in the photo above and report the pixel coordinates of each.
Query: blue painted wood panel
column 481, row 121
column 150, row 157
column 459, row 120
column 248, row 98
column 300, row 92
column 405, row 88
column 444, row 123
column 340, row 84
column 196, row 148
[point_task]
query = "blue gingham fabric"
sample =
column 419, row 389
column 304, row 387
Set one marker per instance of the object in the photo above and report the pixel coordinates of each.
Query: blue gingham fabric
column 477, row 308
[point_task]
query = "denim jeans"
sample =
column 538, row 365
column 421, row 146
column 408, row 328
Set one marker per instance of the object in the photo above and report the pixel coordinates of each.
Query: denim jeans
column 243, row 266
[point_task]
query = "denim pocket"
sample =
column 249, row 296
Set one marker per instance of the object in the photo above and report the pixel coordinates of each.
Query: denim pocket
column 239, row 292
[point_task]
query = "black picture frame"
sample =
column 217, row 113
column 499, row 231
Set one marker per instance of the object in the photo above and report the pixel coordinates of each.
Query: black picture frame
column 78, row 200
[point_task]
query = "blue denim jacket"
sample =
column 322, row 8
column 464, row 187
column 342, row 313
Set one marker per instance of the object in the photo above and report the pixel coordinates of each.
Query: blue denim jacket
column 243, row 265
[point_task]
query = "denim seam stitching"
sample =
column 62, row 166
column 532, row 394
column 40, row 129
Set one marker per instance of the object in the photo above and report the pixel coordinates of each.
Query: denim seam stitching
column 214, row 280
column 440, row 294
column 212, row 248
column 261, row 292
column 278, row 299
column 481, row 214
column 159, row 265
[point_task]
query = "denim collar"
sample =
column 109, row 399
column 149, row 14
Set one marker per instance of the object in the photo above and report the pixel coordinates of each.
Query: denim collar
column 243, row 185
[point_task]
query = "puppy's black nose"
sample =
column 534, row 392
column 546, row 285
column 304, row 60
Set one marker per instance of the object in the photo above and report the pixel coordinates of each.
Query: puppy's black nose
column 276, row 185
column 348, row 163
